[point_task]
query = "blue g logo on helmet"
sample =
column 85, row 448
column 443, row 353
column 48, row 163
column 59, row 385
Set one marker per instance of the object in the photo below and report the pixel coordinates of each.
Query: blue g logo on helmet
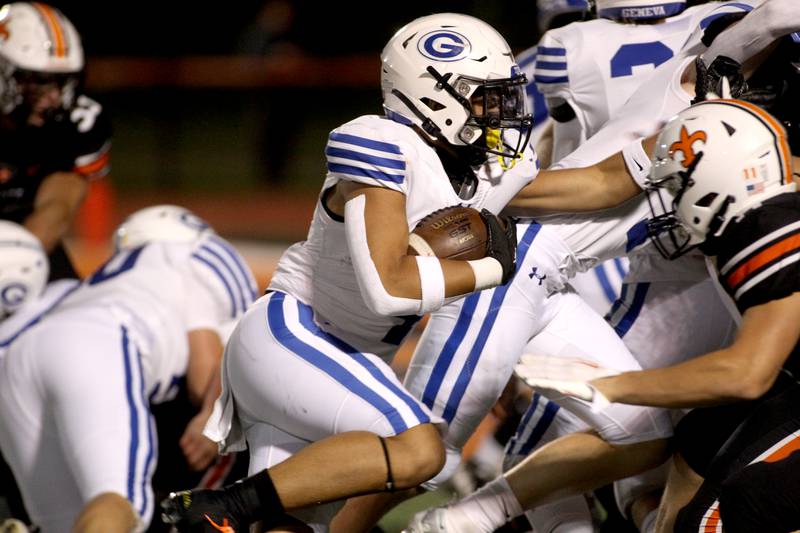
column 444, row 45
column 13, row 294
column 193, row 221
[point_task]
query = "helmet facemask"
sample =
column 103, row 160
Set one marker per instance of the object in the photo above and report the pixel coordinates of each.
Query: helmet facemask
column 494, row 108
column 671, row 237
column 25, row 94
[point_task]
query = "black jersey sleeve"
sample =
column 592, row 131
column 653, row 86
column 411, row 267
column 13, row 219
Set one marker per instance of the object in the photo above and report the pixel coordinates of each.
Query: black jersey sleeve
column 759, row 256
column 91, row 146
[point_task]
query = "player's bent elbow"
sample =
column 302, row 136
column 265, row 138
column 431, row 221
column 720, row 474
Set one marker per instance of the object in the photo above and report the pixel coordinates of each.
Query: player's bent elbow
column 755, row 385
column 381, row 302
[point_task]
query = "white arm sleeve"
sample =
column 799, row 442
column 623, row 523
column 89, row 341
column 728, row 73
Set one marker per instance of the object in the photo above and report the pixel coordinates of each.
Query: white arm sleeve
column 374, row 293
column 756, row 31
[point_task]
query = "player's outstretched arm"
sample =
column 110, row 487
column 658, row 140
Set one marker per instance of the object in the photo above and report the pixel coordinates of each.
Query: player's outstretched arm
column 391, row 281
column 203, row 384
column 743, row 371
column 601, row 186
column 57, row 201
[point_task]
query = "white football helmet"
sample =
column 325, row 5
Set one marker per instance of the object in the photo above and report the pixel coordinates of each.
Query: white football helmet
column 455, row 78
column 23, row 267
column 38, row 45
column 635, row 10
column 160, row 223
column 547, row 10
column 718, row 159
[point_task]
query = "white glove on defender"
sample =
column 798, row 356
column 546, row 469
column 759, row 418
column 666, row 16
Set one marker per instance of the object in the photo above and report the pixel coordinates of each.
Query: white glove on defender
column 566, row 376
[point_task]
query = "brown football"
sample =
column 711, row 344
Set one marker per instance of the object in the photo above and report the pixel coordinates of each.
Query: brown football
column 451, row 233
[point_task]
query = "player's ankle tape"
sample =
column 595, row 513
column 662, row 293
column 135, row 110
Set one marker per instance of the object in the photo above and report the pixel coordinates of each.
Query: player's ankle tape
column 255, row 498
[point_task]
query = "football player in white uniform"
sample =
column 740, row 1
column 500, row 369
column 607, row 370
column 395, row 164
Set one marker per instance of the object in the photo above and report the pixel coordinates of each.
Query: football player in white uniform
column 82, row 448
column 587, row 71
column 643, row 114
column 736, row 200
column 340, row 302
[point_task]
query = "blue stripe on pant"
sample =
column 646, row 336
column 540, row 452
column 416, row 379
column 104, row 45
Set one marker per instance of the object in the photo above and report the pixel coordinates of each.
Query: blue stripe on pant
column 276, row 320
column 139, row 415
column 455, row 339
column 626, row 321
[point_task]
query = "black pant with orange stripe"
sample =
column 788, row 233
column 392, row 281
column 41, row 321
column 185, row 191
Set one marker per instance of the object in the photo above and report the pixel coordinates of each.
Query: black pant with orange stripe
column 763, row 497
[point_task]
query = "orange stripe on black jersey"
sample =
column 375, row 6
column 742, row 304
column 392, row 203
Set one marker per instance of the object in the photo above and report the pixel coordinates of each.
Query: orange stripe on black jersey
column 58, row 38
column 781, row 143
column 94, row 167
column 784, row 451
column 711, row 523
column 762, row 257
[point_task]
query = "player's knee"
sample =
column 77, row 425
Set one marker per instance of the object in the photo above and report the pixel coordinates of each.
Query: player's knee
column 416, row 455
column 107, row 513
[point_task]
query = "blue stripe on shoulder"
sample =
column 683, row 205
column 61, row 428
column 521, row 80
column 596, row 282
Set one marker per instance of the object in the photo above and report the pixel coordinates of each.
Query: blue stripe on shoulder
column 240, row 265
column 550, row 51
column 365, row 143
column 241, row 286
column 551, row 65
column 365, row 172
column 550, row 79
column 219, row 275
column 716, row 13
column 365, row 158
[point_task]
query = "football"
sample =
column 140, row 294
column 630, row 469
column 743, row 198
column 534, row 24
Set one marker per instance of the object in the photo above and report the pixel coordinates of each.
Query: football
column 451, row 233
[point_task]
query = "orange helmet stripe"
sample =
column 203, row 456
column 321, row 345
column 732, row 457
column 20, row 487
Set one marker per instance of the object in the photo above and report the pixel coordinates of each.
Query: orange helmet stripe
column 56, row 31
column 777, row 129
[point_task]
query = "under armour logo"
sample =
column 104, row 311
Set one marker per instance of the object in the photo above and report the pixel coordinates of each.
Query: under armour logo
column 685, row 145
column 534, row 275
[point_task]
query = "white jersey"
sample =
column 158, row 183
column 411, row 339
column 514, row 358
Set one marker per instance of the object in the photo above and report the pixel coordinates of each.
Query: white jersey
column 162, row 291
column 596, row 65
column 380, row 152
column 30, row 314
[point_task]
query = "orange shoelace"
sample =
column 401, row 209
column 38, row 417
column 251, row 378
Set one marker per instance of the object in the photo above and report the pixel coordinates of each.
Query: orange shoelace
column 224, row 528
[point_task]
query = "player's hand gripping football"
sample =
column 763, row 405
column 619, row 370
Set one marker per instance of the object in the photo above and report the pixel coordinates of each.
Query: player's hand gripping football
column 566, row 376
column 501, row 241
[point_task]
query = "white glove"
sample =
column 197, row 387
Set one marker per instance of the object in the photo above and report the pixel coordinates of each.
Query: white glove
column 566, row 376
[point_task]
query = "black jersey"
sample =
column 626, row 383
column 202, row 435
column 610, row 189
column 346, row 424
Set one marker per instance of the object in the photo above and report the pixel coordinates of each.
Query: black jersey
column 78, row 141
column 758, row 257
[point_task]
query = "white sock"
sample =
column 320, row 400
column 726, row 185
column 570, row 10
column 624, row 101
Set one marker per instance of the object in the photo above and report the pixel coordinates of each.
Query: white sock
column 491, row 506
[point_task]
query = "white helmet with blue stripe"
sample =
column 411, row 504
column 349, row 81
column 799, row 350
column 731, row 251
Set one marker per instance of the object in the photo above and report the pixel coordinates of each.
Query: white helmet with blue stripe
column 547, row 10
column 160, row 223
column 454, row 77
column 638, row 10
column 23, row 267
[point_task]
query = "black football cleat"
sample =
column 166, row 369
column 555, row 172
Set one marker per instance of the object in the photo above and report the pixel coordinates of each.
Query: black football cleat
column 199, row 511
